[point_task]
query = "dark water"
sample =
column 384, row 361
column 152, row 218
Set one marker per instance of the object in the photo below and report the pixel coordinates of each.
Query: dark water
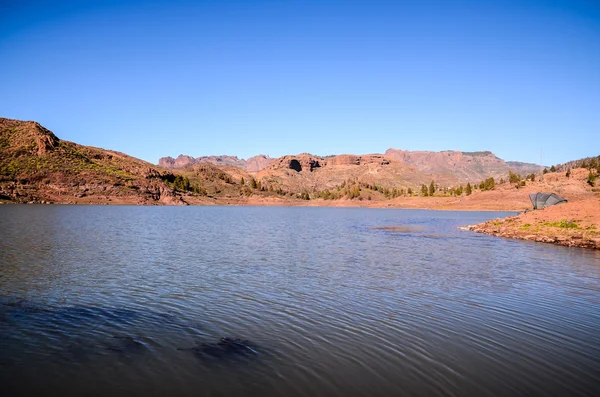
column 203, row 301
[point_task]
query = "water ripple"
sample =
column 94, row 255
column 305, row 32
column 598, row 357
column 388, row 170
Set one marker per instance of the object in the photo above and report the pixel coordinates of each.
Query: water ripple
column 289, row 301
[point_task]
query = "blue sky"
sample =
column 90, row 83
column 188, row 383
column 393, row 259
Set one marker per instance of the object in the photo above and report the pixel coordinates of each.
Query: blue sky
column 158, row 78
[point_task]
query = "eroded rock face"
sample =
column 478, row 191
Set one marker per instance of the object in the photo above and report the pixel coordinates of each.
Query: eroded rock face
column 181, row 161
column 258, row 163
column 299, row 163
column 166, row 162
column 351, row 159
column 45, row 142
column 253, row 164
column 344, row 159
column 232, row 161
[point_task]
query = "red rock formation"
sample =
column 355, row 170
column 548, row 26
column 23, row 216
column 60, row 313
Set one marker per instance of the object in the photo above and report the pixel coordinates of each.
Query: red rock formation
column 181, row 161
column 301, row 162
column 253, row 164
column 258, row 163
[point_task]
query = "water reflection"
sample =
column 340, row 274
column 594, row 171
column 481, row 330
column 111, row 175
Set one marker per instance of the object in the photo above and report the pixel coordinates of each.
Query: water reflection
column 289, row 301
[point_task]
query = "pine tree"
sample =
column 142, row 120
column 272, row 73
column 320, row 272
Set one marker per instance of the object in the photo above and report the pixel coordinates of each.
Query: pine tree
column 468, row 189
column 242, row 181
column 431, row 188
column 514, row 178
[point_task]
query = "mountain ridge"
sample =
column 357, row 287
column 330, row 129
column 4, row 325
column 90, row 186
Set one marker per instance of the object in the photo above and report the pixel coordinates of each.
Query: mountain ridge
column 464, row 166
column 38, row 166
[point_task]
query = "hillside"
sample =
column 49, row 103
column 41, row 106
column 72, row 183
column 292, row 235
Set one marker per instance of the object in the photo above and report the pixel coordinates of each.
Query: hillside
column 37, row 166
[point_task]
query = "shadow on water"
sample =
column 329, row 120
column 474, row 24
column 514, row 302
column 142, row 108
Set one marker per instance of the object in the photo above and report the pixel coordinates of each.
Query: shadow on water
column 225, row 349
column 79, row 333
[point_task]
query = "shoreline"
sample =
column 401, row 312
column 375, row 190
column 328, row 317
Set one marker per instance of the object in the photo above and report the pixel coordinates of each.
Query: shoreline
column 572, row 224
column 280, row 204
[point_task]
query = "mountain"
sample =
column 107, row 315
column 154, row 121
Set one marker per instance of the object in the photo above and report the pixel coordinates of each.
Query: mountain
column 465, row 166
column 253, row 164
column 450, row 166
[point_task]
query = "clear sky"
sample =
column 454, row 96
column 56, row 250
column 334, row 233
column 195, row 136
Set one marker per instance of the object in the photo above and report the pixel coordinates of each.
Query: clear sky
column 159, row 78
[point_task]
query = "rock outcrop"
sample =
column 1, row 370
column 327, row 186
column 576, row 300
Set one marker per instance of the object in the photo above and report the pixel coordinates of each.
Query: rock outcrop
column 351, row 159
column 302, row 162
column 258, row 163
column 181, row 161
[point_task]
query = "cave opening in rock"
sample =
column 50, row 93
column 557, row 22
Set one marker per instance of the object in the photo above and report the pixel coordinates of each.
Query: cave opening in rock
column 295, row 165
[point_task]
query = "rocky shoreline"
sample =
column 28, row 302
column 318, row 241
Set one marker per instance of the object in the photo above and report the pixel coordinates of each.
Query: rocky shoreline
column 572, row 225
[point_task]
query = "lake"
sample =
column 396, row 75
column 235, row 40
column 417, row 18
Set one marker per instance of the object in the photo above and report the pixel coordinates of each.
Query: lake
column 289, row 301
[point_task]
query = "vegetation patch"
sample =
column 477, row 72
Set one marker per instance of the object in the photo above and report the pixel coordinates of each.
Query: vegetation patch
column 563, row 224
